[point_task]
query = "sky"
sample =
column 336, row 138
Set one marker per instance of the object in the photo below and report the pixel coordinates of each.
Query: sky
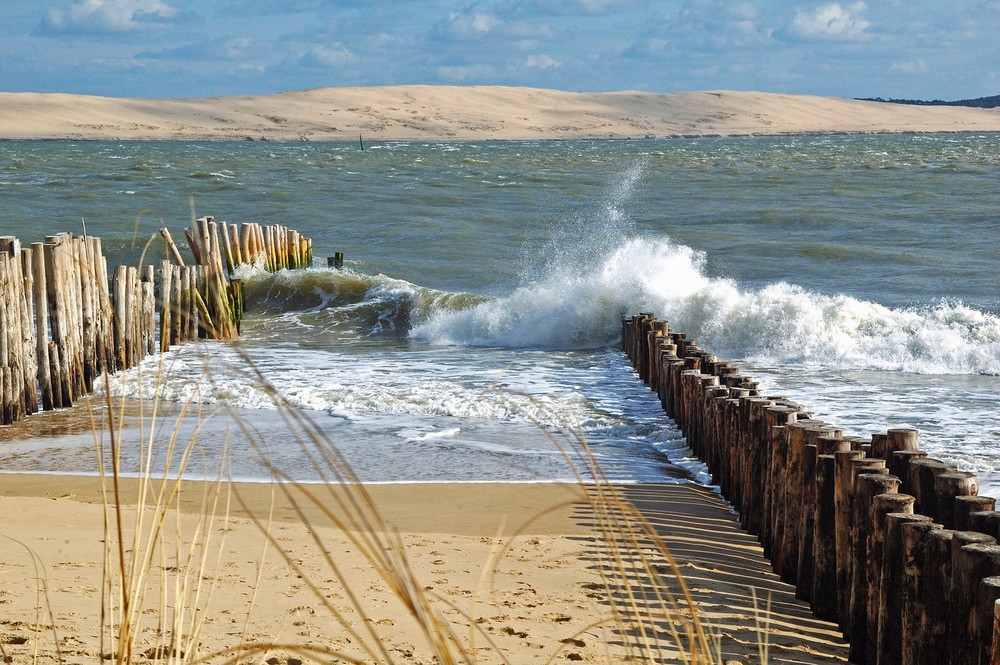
column 917, row 49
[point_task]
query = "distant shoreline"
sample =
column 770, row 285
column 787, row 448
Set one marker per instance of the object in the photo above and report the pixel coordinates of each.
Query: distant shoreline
column 481, row 113
column 377, row 141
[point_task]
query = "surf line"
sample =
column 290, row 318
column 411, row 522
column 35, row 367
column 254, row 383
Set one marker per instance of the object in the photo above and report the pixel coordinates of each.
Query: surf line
column 64, row 321
column 862, row 527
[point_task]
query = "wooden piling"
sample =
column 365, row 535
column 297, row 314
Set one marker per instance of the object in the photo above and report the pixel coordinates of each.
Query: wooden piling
column 824, row 582
column 878, row 592
column 845, row 464
column 922, row 482
column 966, row 506
column 890, row 617
column 970, row 565
column 948, row 486
column 870, row 482
column 982, row 618
column 915, row 597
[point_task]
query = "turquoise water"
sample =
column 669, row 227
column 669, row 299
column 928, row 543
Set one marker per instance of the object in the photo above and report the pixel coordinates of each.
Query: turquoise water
column 480, row 303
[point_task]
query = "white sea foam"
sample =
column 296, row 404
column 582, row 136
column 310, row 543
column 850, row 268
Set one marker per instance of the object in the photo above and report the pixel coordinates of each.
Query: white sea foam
column 579, row 306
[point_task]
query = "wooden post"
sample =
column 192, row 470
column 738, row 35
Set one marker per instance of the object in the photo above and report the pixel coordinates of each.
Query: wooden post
column 775, row 418
column 982, row 619
column 890, row 617
column 949, row 485
column 995, row 652
column 922, row 475
column 146, row 282
column 166, row 286
column 57, row 319
column 882, row 506
column 844, row 465
column 120, row 284
column 106, row 318
column 178, row 304
column 227, row 248
column 88, row 313
column 899, row 466
column 966, row 505
column 987, row 521
column 172, row 251
column 916, row 575
column 970, row 564
column 807, row 521
column 42, row 325
column 824, row 589
column 870, row 482
column 28, row 330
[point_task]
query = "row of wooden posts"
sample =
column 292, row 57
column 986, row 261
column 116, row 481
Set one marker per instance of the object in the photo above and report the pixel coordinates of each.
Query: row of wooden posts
column 894, row 546
column 64, row 320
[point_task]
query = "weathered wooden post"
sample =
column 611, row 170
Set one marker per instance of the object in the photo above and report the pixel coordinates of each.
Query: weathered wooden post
column 922, row 475
column 28, row 331
column 882, row 506
column 915, row 598
column 949, row 485
column 824, row 590
column 982, row 618
column 807, row 523
column 899, row 466
column 845, row 462
column 987, row 521
column 42, row 325
column 966, row 505
column 870, row 482
column 775, row 418
column 970, row 565
column 890, row 619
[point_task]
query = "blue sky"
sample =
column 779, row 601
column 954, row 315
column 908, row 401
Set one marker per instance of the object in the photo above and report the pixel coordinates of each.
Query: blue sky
column 195, row 48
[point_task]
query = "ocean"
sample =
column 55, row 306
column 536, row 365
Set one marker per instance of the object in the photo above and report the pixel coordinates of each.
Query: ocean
column 473, row 333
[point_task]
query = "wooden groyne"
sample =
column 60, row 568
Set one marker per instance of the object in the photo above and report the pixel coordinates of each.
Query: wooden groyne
column 894, row 546
column 65, row 320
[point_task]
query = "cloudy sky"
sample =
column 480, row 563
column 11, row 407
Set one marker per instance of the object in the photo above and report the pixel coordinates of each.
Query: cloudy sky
column 193, row 48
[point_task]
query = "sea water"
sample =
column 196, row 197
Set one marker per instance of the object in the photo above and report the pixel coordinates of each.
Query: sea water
column 472, row 334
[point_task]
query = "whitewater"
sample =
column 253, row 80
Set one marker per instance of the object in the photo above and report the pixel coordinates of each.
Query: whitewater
column 473, row 334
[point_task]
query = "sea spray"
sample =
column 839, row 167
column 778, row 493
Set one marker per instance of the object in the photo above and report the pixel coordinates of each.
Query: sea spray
column 579, row 306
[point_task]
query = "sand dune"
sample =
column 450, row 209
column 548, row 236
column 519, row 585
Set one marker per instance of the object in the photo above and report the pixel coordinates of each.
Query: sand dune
column 435, row 113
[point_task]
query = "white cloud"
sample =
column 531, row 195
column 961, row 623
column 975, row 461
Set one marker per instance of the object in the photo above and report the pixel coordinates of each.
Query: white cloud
column 480, row 25
column 832, row 22
column 917, row 66
column 328, row 56
column 541, row 62
column 108, row 16
column 472, row 26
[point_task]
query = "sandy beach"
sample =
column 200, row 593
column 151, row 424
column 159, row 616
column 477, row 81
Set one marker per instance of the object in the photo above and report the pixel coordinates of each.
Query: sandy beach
column 525, row 564
column 443, row 113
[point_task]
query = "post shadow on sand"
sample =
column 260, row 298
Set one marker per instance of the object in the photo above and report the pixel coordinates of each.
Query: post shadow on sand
column 720, row 564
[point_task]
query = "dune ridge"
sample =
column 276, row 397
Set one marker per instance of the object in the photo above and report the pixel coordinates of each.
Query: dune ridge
column 444, row 113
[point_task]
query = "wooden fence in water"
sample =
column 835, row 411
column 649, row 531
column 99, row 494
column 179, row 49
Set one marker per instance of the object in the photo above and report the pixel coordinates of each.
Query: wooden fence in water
column 64, row 320
column 895, row 547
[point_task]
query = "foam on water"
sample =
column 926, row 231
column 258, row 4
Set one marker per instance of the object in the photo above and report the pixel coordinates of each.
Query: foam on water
column 579, row 306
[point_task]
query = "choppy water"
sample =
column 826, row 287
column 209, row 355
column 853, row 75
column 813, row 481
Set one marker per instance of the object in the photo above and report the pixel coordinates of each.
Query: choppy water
column 479, row 309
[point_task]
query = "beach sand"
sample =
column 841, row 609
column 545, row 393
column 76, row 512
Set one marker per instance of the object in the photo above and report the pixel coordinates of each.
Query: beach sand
column 526, row 564
column 443, row 113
